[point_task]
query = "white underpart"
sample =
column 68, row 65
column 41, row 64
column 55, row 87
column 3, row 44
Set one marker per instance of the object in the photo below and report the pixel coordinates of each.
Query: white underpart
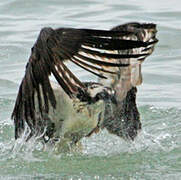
column 72, row 116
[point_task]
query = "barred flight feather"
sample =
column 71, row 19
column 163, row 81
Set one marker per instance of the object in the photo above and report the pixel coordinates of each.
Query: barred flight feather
column 102, row 52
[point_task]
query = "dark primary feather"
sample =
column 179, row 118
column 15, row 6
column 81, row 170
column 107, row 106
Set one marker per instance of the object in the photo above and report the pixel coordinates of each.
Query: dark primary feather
column 124, row 121
column 93, row 50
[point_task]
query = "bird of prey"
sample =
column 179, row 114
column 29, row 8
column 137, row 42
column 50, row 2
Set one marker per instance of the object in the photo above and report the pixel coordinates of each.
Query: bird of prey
column 69, row 109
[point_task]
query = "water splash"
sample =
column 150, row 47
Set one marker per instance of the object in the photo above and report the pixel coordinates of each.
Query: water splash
column 157, row 135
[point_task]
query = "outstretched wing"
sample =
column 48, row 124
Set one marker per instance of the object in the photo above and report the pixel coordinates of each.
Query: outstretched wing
column 93, row 50
column 145, row 33
column 131, row 76
column 124, row 120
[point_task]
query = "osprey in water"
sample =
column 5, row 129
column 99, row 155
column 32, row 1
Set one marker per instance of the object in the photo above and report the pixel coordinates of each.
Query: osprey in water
column 68, row 110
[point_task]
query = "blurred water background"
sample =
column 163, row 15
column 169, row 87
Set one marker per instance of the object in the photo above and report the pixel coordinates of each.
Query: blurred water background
column 156, row 152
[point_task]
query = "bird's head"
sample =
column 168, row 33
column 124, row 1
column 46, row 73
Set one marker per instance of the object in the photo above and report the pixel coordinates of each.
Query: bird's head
column 96, row 92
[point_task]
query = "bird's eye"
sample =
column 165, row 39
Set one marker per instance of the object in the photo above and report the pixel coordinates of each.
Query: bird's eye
column 46, row 138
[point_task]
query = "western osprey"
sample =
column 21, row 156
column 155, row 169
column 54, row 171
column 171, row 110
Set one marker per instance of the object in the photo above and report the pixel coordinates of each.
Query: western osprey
column 70, row 109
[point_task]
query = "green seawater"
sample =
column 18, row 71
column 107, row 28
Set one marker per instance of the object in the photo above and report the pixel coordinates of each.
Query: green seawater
column 156, row 152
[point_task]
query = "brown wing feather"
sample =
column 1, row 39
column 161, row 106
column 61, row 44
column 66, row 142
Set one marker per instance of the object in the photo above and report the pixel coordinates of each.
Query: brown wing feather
column 93, row 50
column 124, row 120
column 131, row 76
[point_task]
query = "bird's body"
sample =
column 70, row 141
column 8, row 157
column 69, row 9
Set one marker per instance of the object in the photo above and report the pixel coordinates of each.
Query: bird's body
column 72, row 109
column 73, row 118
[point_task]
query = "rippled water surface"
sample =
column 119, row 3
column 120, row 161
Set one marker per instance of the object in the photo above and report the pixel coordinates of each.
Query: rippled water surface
column 156, row 153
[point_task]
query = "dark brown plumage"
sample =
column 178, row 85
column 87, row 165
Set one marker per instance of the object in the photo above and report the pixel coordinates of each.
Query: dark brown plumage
column 101, row 52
